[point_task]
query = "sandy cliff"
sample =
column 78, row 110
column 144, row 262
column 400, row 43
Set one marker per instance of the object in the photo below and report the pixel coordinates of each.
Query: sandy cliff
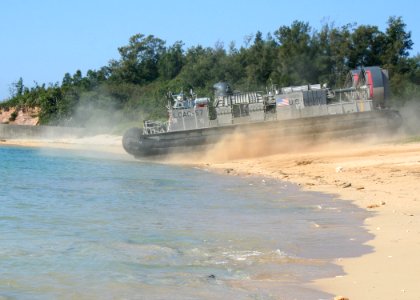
column 27, row 116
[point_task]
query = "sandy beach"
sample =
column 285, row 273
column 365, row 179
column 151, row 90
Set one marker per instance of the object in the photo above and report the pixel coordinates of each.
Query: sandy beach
column 99, row 143
column 380, row 177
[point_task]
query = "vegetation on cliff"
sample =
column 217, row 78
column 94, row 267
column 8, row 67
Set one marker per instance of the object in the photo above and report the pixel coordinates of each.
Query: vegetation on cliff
column 134, row 86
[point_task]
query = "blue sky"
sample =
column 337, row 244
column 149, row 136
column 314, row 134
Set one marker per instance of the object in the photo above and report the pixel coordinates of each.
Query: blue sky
column 41, row 40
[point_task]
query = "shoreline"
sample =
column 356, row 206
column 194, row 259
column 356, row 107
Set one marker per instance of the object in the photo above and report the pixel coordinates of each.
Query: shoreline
column 381, row 178
column 98, row 143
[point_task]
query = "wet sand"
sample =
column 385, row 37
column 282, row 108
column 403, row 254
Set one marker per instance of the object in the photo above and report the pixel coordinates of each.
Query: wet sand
column 98, row 143
column 382, row 178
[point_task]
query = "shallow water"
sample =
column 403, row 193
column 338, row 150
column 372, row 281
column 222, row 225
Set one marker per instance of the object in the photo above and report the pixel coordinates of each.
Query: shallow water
column 74, row 225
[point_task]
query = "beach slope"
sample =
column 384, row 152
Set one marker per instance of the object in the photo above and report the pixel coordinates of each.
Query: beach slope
column 383, row 178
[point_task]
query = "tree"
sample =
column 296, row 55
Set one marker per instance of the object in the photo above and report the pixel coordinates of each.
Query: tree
column 397, row 45
column 367, row 44
column 171, row 61
column 49, row 103
column 296, row 54
column 16, row 89
column 198, row 65
column 260, row 59
column 334, row 46
column 139, row 60
column 67, row 80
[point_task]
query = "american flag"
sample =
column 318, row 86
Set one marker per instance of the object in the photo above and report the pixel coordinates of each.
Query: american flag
column 282, row 102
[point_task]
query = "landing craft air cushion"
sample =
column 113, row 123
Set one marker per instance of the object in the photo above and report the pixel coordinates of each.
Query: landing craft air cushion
column 305, row 111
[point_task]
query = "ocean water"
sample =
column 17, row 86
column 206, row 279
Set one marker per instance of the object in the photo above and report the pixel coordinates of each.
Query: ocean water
column 78, row 225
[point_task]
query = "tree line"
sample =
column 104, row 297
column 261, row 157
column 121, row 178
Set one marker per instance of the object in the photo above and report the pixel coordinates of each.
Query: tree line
column 134, row 86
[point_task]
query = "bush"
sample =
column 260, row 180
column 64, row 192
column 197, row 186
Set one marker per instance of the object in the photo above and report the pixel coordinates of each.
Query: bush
column 13, row 116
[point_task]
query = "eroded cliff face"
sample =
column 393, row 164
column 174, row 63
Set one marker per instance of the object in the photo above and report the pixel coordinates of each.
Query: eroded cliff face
column 26, row 116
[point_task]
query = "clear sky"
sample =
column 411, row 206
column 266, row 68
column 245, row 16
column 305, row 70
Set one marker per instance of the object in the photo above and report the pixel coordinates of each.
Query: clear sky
column 40, row 40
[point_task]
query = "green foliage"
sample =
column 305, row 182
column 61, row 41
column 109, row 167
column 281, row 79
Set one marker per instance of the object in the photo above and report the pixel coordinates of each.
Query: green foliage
column 133, row 87
column 295, row 55
column 259, row 60
column 139, row 60
column 334, row 46
column 397, row 42
column 171, row 61
column 367, row 44
column 13, row 116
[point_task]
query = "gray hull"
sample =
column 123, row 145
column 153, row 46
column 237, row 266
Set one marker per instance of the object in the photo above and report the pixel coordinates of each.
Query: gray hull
column 341, row 126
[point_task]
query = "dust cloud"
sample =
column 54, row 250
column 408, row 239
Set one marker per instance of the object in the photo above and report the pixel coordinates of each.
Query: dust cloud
column 243, row 145
column 331, row 135
column 410, row 114
column 100, row 112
